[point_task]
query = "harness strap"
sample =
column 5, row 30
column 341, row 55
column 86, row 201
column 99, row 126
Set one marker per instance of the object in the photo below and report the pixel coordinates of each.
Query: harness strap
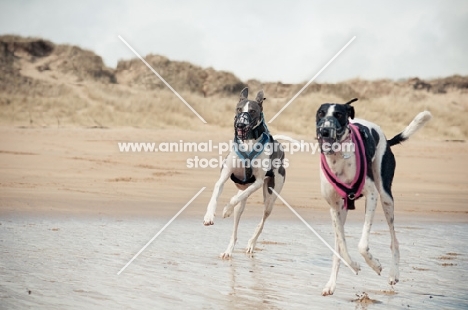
column 352, row 191
column 243, row 182
column 252, row 178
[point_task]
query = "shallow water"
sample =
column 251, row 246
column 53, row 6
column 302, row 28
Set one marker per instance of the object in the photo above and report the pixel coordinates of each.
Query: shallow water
column 66, row 263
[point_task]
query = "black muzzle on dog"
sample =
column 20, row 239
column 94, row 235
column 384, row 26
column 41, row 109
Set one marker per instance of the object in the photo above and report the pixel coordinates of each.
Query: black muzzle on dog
column 243, row 125
column 330, row 131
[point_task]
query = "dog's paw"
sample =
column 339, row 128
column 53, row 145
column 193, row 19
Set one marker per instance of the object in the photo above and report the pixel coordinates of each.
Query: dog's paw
column 355, row 266
column 394, row 277
column 250, row 247
column 329, row 289
column 393, row 281
column 374, row 264
column 227, row 211
column 208, row 220
column 377, row 267
column 225, row 255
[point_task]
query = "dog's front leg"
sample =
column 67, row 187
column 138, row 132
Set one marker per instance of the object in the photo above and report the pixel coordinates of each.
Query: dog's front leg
column 218, row 189
column 238, row 209
column 329, row 289
column 242, row 196
column 338, row 215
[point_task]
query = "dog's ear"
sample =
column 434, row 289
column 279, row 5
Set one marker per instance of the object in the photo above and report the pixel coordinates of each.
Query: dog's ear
column 352, row 100
column 260, row 98
column 244, row 94
column 350, row 108
column 350, row 111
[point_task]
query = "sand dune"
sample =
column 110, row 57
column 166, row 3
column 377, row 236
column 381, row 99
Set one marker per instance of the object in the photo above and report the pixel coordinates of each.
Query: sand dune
column 49, row 85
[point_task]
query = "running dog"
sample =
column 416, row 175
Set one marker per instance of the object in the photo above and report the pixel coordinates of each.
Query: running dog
column 256, row 160
column 347, row 175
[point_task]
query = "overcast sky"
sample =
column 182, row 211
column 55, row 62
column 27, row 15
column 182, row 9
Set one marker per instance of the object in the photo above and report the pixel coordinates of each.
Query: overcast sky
column 286, row 41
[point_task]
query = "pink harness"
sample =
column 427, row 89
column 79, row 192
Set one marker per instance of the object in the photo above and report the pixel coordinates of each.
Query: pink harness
column 352, row 191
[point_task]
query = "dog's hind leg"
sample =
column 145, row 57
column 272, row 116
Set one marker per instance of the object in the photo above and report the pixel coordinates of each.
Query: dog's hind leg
column 238, row 210
column 371, row 205
column 388, row 207
column 276, row 183
column 387, row 172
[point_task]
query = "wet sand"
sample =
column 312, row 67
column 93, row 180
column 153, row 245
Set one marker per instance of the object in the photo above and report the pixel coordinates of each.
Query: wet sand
column 74, row 211
column 58, row 263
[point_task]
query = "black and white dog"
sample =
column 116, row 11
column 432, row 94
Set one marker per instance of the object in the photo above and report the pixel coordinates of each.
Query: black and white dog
column 256, row 160
column 347, row 174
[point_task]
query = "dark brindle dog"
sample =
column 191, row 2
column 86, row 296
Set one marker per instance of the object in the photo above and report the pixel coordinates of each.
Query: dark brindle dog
column 256, row 161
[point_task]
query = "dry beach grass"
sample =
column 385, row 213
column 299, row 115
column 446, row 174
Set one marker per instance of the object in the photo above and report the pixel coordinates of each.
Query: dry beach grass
column 47, row 85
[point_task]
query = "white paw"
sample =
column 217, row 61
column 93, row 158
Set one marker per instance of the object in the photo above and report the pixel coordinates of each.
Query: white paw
column 376, row 266
column 250, row 247
column 329, row 289
column 394, row 277
column 227, row 210
column 226, row 255
column 209, row 219
column 393, row 281
column 355, row 266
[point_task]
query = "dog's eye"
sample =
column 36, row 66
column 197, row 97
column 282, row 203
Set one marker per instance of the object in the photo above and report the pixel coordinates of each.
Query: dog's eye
column 338, row 115
column 321, row 114
column 251, row 111
column 239, row 110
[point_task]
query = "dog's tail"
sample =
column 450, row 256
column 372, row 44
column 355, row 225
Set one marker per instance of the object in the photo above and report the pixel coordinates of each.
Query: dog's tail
column 418, row 122
column 287, row 138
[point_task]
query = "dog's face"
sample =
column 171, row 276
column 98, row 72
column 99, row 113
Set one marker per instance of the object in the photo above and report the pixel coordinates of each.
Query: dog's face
column 332, row 120
column 248, row 114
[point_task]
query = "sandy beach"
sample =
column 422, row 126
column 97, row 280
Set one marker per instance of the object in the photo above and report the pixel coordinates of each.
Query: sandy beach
column 88, row 223
column 74, row 210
